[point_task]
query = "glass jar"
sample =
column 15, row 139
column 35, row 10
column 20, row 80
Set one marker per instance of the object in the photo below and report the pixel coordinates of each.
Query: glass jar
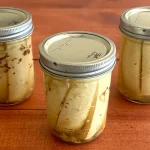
column 77, row 73
column 134, row 61
column 16, row 63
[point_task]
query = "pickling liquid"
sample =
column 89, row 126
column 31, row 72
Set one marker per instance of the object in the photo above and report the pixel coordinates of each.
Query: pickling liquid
column 16, row 71
column 77, row 108
column 134, row 69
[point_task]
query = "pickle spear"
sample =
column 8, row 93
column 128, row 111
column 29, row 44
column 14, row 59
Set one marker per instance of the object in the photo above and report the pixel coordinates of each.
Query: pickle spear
column 123, row 42
column 98, row 110
column 131, row 66
column 3, row 75
column 56, row 92
column 18, row 74
column 77, row 105
column 145, row 77
column 29, row 59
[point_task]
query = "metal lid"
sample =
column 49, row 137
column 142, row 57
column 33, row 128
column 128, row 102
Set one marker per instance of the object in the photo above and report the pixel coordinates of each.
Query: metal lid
column 77, row 54
column 136, row 22
column 14, row 23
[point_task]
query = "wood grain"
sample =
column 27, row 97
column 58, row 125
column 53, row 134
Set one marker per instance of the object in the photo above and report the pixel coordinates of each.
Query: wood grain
column 24, row 126
column 29, row 130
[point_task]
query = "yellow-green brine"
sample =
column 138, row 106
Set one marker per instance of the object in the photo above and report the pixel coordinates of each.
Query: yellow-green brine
column 77, row 70
column 134, row 61
column 16, row 62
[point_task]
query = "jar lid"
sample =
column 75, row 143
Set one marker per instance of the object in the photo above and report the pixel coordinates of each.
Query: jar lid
column 77, row 54
column 14, row 23
column 135, row 22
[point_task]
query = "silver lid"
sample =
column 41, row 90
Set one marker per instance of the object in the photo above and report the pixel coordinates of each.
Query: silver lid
column 14, row 23
column 77, row 54
column 136, row 22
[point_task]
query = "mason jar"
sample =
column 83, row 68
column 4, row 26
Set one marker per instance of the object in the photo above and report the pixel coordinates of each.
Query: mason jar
column 77, row 70
column 16, row 63
column 134, row 61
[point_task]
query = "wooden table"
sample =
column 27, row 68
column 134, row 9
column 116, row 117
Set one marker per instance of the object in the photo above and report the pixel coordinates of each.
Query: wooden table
column 24, row 126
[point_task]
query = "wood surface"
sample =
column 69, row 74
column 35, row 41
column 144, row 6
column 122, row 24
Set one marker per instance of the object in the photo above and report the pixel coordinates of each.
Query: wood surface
column 24, row 126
